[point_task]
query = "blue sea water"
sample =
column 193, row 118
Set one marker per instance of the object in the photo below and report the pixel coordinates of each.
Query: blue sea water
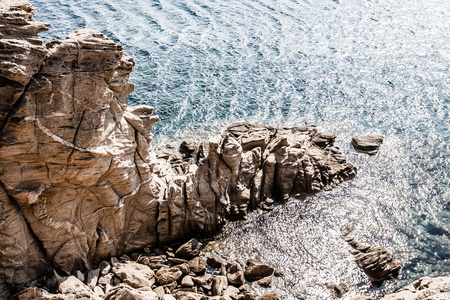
column 348, row 66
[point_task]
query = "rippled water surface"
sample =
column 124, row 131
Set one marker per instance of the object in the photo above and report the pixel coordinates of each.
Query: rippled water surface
column 348, row 66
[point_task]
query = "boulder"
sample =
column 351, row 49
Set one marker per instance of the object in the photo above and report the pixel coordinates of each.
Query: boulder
column 220, row 283
column 367, row 143
column 168, row 275
column 235, row 273
column 377, row 262
column 92, row 278
column 125, row 292
column 215, row 261
column 265, row 282
column 187, row 281
column 134, row 274
column 189, row 249
column 69, row 289
column 271, row 295
column 197, row 265
column 256, row 270
column 337, row 290
column 232, row 292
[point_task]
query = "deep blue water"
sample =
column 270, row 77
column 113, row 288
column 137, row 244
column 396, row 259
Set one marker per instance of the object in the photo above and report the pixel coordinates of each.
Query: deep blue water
column 348, row 66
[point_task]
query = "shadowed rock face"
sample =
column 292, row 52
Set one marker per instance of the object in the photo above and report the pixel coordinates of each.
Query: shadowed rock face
column 79, row 181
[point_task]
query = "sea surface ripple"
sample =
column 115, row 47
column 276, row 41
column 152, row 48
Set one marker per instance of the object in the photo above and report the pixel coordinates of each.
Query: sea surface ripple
column 348, row 66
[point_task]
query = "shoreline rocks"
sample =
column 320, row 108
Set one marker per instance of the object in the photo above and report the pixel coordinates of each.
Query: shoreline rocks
column 79, row 181
column 142, row 279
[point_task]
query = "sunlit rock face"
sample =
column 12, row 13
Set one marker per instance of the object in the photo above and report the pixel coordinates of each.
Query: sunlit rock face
column 79, row 180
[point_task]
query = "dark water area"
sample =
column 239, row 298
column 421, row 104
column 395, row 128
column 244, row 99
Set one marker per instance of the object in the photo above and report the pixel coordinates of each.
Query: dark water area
column 348, row 66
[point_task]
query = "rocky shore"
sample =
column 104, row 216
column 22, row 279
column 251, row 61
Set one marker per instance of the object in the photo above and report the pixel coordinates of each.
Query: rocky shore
column 159, row 273
column 79, row 181
column 88, row 209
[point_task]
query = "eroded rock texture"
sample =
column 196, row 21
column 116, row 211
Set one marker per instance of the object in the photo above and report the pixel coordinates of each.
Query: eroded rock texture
column 79, row 180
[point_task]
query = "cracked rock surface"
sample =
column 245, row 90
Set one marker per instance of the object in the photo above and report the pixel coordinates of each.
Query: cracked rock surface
column 79, row 182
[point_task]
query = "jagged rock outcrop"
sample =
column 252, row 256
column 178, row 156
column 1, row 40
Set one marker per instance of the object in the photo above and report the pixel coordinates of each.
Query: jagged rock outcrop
column 79, row 181
column 377, row 262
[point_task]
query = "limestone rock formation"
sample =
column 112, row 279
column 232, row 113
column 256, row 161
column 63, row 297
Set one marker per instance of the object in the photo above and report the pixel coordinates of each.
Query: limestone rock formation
column 377, row 262
column 79, row 181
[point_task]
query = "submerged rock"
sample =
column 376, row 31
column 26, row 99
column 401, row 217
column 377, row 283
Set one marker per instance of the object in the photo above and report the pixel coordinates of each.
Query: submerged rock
column 337, row 290
column 367, row 143
column 377, row 262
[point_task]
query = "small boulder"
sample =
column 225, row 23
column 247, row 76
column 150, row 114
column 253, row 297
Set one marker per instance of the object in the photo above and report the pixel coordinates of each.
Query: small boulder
column 197, row 265
column 265, row 282
column 123, row 291
column 272, row 295
column 367, row 143
column 92, row 278
column 214, row 261
column 220, row 283
column 105, row 267
column 189, row 249
column 377, row 262
column 232, row 292
column 134, row 274
column 256, row 270
column 187, row 281
column 165, row 275
column 337, row 290
column 235, row 273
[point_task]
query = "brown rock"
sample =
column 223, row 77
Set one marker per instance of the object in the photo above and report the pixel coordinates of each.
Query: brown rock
column 187, row 281
column 123, row 291
column 377, row 263
column 256, row 270
column 134, row 274
column 272, row 295
column 188, row 148
column 235, row 273
column 166, row 276
column 189, row 249
column 197, row 265
column 337, row 290
column 220, row 283
column 214, row 261
column 368, row 143
column 265, row 282
column 232, row 292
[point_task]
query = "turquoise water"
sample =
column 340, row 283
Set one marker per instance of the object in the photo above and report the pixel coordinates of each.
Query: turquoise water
column 348, row 66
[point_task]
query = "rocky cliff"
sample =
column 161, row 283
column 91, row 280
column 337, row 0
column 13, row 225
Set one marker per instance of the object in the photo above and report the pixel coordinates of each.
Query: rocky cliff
column 79, row 181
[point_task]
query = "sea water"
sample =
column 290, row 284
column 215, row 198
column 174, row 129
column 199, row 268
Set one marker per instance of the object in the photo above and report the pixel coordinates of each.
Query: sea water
column 348, row 66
